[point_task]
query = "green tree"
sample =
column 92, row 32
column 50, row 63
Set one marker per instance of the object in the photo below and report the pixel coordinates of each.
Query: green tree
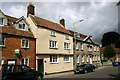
column 118, row 3
column 109, row 51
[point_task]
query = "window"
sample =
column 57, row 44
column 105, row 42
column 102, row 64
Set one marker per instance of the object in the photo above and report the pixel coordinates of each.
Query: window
column 77, row 59
column 52, row 33
column 25, row 43
column 66, row 58
column 53, row 44
column 81, row 46
column 98, row 48
column 1, row 21
column 95, row 58
column 53, row 58
column 67, row 36
column 89, row 48
column 2, row 41
column 1, row 62
column 82, row 58
column 98, row 57
column 77, row 46
column 94, row 48
column 66, row 45
column 21, row 26
column 25, row 61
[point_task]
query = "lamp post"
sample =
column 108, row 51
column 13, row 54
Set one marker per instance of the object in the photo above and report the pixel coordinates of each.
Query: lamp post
column 75, row 57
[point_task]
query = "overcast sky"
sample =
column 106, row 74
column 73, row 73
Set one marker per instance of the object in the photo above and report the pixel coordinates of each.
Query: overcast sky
column 99, row 17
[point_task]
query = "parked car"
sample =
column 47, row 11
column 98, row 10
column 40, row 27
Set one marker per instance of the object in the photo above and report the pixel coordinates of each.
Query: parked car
column 115, row 63
column 20, row 72
column 84, row 68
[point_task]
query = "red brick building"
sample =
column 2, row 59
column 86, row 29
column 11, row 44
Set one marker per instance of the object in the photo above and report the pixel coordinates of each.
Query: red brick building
column 116, row 57
column 16, row 35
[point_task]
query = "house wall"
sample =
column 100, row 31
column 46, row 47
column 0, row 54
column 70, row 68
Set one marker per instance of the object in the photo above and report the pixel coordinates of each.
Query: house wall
column 43, row 36
column 14, row 42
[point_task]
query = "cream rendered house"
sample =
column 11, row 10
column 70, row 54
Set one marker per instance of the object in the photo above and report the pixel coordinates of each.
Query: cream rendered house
column 87, row 51
column 54, row 44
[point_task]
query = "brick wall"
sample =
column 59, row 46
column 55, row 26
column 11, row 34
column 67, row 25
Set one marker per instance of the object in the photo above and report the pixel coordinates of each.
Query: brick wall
column 14, row 42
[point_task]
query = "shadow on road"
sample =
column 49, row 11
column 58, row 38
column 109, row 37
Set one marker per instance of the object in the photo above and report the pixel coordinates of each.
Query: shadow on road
column 115, row 75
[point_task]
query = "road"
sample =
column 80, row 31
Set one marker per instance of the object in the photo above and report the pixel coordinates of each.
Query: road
column 103, row 72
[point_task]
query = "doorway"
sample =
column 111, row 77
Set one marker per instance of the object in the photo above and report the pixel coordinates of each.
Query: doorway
column 40, row 65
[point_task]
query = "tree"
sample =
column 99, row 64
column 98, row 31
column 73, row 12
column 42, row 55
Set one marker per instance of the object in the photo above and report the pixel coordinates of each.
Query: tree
column 109, row 51
column 109, row 38
column 117, row 44
column 118, row 3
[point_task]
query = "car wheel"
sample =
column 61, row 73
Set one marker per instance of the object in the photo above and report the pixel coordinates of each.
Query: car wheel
column 93, row 70
column 39, row 78
column 85, row 71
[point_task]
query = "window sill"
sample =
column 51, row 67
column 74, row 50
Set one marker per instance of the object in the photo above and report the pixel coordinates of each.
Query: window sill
column 25, row 47
column 53, row 48
column 67, row 38
column 3, row 46
column 67, row 49
column 53, row 62
column 66, row 61
column 53, row 35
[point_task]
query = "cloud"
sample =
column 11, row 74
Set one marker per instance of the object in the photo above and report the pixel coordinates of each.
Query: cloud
column 99, row 17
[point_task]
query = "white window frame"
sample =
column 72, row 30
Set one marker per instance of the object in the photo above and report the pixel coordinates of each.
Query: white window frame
column 25, row 61
column 4, row 40
column 67, row 36
column 57, row 60
column 53, row 33
column 3, row 22
column 94, row 48
column 24, row 43
column 67, row 45
column 95, row 57
column 97, row 48
column 78, row 59
column 53, row 44
column 82, row 58
column 66, row 58
column 98, row 58
column 21, row 26
column 2, row 62
column 81, row 44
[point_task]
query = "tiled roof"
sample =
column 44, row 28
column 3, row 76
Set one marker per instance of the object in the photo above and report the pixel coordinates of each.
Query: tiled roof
column 49, row 24
column 10, row 29
column 81, row 35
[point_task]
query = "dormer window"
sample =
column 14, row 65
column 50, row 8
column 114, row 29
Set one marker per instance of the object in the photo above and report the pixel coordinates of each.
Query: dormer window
column 21, row 26
column 1, row 21
column 67, row 36
column 52, row 33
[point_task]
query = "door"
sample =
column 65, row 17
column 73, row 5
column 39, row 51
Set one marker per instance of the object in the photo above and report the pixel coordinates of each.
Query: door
column 90, row 60
column 40, row 65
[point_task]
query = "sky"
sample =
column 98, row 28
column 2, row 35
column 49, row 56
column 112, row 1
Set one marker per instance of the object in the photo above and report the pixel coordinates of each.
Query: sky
column 99, row 17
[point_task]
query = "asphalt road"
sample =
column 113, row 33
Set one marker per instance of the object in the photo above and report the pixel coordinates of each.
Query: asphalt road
column 109, row 72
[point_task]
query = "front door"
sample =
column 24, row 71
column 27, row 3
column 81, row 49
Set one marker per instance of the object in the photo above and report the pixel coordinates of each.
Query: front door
column 40, row 65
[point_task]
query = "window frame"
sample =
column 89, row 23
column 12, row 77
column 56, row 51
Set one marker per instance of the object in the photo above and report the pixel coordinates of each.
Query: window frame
column 81, row 44
column 53, row 44
column 57, row 60
column 3, row 45
column 3, row 22
column 67, row 45
column 67, row 57
column 53, row 33
column 21, row 26
column 83, row 59
column 24, row 43
column 25, row 61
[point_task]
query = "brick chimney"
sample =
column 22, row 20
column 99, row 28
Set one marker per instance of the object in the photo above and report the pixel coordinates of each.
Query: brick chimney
column 30, row 9
column 62, row 22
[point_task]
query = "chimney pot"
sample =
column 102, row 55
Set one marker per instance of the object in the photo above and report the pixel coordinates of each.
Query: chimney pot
column 62, row 22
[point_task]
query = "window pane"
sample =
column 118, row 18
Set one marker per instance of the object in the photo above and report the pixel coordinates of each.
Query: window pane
column 20, row 26
column 1, row 21
column 27, row 43
column 23, row 26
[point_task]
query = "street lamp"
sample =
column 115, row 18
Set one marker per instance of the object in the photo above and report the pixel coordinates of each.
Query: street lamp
column 75, row 59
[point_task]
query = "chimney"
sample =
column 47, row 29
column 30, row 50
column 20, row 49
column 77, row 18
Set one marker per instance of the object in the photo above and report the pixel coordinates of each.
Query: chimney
column 30, row 9
column 90, row 35
column 62, row 22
